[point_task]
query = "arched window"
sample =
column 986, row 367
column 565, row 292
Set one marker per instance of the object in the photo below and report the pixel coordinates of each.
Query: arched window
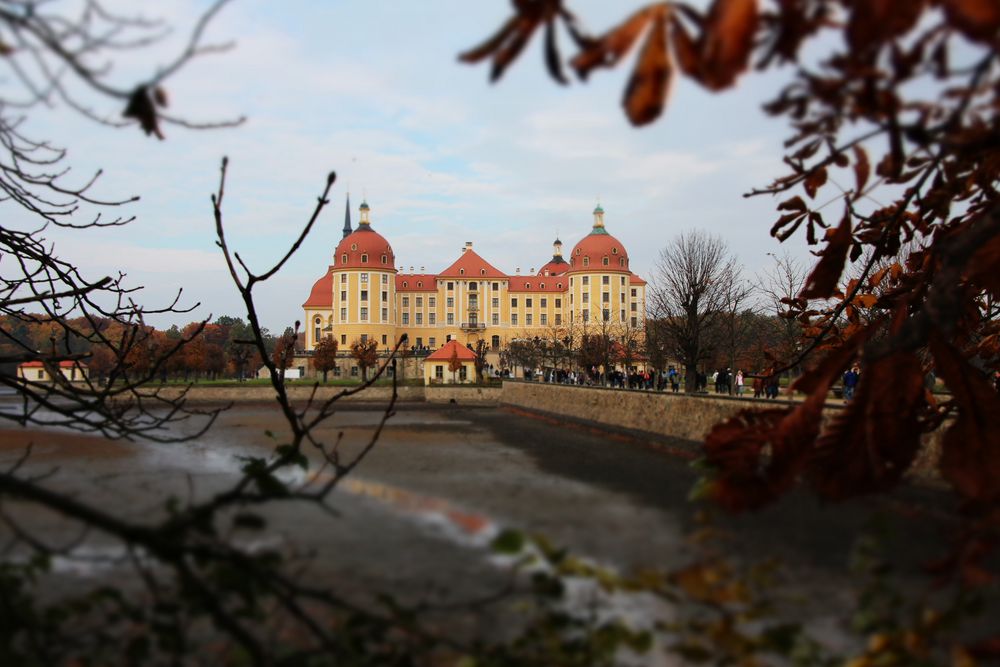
column 364, row 259
column 605, row 261
column 622, row 261
column 404, row 283
column 541, row 285
column 420, row 283
column 482, row 272
column 385, row 259
column 461, row 272
column 343, row 258
column 586, row 261
column 559, row 285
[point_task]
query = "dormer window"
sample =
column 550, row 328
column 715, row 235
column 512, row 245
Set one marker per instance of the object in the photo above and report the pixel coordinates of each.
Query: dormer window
column 622, row 261
column 482, row 272
column 541, row 285
column 404, row 283
column 461, row 272
column 420, row 283
column 605, row 261
column 364, row 259
column 614, row 251
column 586, row 261
column 385, row 259
column 343, row 258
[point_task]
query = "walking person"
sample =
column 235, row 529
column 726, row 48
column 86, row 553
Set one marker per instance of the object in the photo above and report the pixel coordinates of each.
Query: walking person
column 739, row 382
column 851, row 378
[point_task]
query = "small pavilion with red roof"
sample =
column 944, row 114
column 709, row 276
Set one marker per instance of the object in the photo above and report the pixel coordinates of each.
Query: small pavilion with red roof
column 437, row 365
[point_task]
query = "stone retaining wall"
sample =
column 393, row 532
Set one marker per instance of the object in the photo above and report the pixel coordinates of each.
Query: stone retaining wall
column 659, row 413
column 469, row 393
column 260, row 393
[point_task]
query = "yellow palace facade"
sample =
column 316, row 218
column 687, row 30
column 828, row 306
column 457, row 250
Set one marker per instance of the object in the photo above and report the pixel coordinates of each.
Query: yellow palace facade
column 364, row 296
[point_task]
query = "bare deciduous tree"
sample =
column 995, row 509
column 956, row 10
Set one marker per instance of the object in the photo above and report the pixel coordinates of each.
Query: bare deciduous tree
column 688, row 296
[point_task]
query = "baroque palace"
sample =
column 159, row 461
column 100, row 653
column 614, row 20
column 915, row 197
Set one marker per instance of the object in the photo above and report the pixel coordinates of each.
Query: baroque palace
column 364, row 296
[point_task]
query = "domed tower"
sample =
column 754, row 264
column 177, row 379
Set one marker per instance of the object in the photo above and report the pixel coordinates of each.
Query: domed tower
column 363, row 283
column 599, row 277
column 557, row 265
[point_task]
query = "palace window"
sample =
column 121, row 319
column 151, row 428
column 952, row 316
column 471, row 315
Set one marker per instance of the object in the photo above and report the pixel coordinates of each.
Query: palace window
column 606, row 314
column 623, row 316
column 586, row 315
column 586, row 297
column 635, row 322
column 496, row 319
column 343, row 295
column 558, row 319
column 343, row 314
column 543, row 319
column 527, row 319
column 496, row 286
column 633, row 292
column 343, row 339
column 586, row 261
column 450, row 302
column 343, row 276
column 385, row 314
column 513, row 303
column 406, row 319
column 527, row 302
column 364, row 314
column 496, row 302
column 545, row 303
column 432, row 318
column 451, row 286
column 605, row 297
column 621, row 297
column 419, row 319
column 439, row 372
column 451, row 318
column 385, row 278
column 385, row 296
column 432, row 342
column 364, row 259
column 513, row 319
column 623, row 280
column 605, row 261
column 586, row 280
column 432, row 302
column 473, row 286
column 605, row 280
column 364, row 338
column 406, row 302
column 364, row 277
column 364, row 295
column 635, row 307
column 420, row 302
column 558, row 303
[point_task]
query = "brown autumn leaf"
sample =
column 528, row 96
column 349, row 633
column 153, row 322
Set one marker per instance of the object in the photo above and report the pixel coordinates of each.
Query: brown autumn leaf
column 508, row 52
column 873, row 22
column 727, row 42
column 822, row 282
column 5, row 48
column 492, row 43
column 983, row 265
column 970, row 455
column 862, row 170
column 978, row 20
column 814, row 181
column 614, row 44
column 823, row 375
column 649, row 85
column 553, row 62
column 866, row 300
column 685, row 48
column 870, row 445
column 140, row 107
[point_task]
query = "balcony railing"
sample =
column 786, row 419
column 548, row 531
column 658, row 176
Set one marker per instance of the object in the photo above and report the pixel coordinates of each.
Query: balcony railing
column 473, row 326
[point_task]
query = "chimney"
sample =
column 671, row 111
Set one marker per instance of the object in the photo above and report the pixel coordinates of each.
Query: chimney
column 518, row 270
column 532, row 271
column 411, row 269
column 421, row 269
column 468, row 246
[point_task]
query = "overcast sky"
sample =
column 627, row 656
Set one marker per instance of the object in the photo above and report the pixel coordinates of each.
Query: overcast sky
column 373, row 91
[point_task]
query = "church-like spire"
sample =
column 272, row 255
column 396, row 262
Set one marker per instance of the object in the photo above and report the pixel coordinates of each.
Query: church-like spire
column 557, row 252
column 598, row 221
column 347, row 216
column 364, row 222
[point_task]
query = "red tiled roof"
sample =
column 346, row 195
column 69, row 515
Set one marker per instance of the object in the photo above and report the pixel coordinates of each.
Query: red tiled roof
column 452, row 347
column 597, row 246
column 364, row 241
column 62, row 364
column 636, row 280
column 538, row 284
column 321, row 295
column 471, row 265
column 554, row 268
column 416, row 282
